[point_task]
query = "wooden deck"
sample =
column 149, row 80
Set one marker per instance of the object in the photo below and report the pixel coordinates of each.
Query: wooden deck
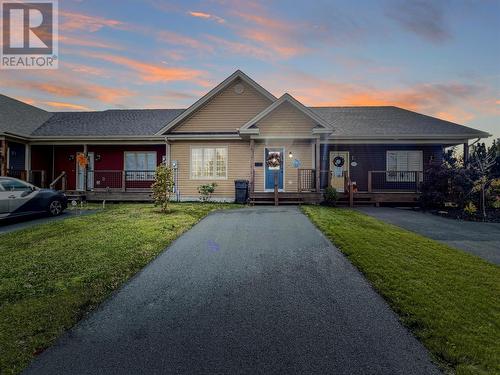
column 359, row 198
column 285, row 198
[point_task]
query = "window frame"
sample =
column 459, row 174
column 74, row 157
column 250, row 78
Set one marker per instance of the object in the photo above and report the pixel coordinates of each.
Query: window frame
column 131, row 176
column 393, row 175
column 203, row 148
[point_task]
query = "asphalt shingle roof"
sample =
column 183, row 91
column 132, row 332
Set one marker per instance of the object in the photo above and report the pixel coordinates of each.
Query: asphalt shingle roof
column 108, row 123
column 20, row 118
column 23, row 119
column 387, row 121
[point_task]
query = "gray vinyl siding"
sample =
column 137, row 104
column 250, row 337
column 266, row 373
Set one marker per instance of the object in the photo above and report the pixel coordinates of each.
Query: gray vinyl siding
column 371, row 157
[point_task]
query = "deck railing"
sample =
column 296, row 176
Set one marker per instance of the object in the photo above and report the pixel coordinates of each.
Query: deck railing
column 109, row 180
column 21, row 174
column 306, row 180
column 394, row 181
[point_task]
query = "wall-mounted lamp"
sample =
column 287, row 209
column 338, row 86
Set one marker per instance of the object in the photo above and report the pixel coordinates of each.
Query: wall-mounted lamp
column 98, row 157
column 290, row 154
column 71, row 157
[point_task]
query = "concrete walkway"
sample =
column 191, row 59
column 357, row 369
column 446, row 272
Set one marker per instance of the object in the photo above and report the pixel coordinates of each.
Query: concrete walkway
column 481, row 239
column 249, row 291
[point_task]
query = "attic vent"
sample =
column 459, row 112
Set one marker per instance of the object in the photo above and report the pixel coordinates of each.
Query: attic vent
column 239, row 88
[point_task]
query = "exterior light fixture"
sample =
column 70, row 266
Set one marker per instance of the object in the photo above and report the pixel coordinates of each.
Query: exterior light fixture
column 290, row 154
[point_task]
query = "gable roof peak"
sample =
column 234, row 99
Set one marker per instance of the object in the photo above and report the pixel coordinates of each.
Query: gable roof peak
column 286, row 97
column 217, row 89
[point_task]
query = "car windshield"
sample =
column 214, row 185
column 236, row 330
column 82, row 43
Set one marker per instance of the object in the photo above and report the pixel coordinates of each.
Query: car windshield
column 14, row 185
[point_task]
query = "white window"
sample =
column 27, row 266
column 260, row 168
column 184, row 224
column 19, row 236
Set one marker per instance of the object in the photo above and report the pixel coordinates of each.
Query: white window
column 140, row 165
column 404, row 165
column 209, row 163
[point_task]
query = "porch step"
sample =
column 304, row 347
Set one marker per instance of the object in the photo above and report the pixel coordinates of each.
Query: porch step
column 74, row 195
column 285, row 198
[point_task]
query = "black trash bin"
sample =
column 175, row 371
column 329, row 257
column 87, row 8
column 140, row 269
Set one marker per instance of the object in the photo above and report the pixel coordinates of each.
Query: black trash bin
column 241, row 191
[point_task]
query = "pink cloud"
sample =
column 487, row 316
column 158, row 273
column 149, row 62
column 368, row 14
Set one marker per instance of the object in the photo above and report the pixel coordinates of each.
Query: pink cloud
column 66, row 106
column 71, row 21
column 207, row 16
column 151, row 72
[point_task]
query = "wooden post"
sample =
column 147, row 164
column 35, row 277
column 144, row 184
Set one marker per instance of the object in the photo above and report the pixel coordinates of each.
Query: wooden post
column 63, row 183
column 369, row 181
column 351, row 194
column 252, row 166
column 276, row 188
column 167, row 152
column 3, row 158
column 466, row 153
column 124, row 180
column 85, row 168
column 42, row 179
column 299, row 182
column 318, row 165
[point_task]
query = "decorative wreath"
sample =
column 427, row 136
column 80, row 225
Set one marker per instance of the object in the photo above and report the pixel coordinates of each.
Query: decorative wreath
column 82, row 160
column 338, row 161
column 273, row 160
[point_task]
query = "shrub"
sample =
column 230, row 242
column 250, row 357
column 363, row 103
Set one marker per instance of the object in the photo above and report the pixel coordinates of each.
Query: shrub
column 493, row 193
column 163, row 186
column 330, row 196
column 206, row 191
column 470, row 209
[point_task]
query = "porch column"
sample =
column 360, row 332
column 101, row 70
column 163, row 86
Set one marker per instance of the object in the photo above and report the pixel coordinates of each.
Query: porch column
column 85, row 170
column 318, row 165
column 27, row 161
column 3, row 157
column 466, row 153
column 252, row 165
column 167, row 152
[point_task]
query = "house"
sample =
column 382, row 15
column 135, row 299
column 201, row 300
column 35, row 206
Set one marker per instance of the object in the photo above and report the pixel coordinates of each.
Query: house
column 238, row 130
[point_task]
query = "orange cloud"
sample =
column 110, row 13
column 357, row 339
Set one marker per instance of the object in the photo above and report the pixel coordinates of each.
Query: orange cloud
column 62, row 105
column 456, row 102
column 276, row 35
column 150, row 72
column 207, row 16
column 68, row 87
column 76, row 21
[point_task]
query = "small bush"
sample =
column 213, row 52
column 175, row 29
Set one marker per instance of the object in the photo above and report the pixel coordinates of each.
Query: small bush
column 163, row 186
column 493, row 194
column 206, row 191
column 470, row 209
column 330, row 196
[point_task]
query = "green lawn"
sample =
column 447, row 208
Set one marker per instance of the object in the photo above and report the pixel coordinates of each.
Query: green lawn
column 449, row 299
column 53, row 274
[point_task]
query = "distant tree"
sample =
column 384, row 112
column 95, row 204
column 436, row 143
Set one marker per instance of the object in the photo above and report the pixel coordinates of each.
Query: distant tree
column 482, row 161
column 495, row 149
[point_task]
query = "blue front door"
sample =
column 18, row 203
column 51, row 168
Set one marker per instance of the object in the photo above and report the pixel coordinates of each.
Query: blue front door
column 270, row 171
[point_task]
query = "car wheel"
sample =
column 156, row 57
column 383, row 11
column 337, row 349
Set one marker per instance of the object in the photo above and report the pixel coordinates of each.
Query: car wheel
column 55, row 208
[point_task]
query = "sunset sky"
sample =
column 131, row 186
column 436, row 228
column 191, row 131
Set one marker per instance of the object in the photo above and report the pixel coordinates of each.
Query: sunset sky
column 440, row 58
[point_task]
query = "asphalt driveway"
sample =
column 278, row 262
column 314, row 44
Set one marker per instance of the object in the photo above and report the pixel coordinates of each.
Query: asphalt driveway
column 481, row 239
column 249, row 291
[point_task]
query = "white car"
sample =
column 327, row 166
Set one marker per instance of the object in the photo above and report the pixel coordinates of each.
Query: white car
column 19, row 198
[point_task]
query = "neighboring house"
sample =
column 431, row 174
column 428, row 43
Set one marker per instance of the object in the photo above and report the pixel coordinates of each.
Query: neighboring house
column 234, row 132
